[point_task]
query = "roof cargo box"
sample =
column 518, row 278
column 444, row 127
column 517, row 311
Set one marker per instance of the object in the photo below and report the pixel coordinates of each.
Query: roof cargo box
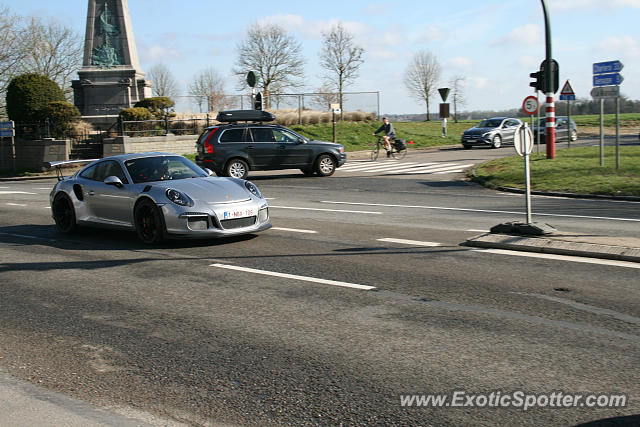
column 245, row 116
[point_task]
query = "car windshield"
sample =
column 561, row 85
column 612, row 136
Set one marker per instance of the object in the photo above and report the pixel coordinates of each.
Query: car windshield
column 489, row 123
column 160, row 168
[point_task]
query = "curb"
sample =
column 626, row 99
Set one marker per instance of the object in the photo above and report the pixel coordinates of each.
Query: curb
column 558, row 247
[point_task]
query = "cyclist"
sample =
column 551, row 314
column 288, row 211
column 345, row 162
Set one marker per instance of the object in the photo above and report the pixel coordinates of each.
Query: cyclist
column 389, row 134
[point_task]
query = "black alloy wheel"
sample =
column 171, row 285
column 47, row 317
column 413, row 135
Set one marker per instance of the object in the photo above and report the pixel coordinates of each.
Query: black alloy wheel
column 148, row 221
column 63, row 214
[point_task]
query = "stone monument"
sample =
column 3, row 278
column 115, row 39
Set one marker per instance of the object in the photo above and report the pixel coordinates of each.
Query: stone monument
column 110, row 78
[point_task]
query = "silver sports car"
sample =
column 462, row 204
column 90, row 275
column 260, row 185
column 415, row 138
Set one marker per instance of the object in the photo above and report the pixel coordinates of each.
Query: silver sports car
column 158, row 195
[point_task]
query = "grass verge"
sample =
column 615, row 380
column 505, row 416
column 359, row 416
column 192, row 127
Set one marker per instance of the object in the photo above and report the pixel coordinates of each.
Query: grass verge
column 575, row 170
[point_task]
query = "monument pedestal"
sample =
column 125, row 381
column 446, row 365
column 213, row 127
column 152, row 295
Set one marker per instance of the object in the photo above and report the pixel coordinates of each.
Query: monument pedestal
column 110, row 78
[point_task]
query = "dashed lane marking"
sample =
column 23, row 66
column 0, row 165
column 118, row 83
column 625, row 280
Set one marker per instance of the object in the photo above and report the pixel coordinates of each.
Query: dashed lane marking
column 410, row 242
column 294, row 230
column 294, row 277
column 325, row 210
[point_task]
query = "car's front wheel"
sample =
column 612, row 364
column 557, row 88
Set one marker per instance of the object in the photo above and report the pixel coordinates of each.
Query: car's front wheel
column 63, row 214
column 237, row 168
column 496, row 142
column 149, row 224
column 325, row 165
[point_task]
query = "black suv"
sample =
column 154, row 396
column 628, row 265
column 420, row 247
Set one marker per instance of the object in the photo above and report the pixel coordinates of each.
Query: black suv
column 233, row 148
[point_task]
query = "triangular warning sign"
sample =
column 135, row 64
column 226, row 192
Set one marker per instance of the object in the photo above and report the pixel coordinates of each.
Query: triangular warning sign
column 567, row 89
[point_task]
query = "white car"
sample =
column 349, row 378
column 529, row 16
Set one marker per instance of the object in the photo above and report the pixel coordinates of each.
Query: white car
column 158, row 195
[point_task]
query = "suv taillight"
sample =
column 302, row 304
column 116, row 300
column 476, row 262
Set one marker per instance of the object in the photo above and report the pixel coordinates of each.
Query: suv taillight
column 208, row 148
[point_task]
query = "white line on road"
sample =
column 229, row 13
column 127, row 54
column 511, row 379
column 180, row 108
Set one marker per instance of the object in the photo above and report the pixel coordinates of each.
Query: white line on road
column 16, row 204
column 17, row 192
column 570, row 258
column 409, row 242
column 325, row 210
column 473, row 230
column 478, row 210
column 294, row 277
column 294, row 230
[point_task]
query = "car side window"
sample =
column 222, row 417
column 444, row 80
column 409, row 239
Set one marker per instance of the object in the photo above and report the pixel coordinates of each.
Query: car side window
column 263, row 135
column 90, row 172
column 560, row 122
column 232, row 135
column 282, row 135
column 112, row 168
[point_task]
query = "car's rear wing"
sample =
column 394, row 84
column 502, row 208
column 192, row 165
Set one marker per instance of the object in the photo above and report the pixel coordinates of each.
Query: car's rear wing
column 245, row 116
column 59, row 164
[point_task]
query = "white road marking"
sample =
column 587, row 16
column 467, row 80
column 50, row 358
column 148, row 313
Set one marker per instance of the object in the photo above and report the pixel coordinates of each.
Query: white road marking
column 294, row 230
column 325, row 210
column 473, row 230
column 17, row 192
column 16, row 204
column 386, row 166
column 42, row 188
column 448, row 169
column 410, row 242
column 294, row 277
column 375, row 165
column 477, row 210
column 425, row 169
column 570, row 258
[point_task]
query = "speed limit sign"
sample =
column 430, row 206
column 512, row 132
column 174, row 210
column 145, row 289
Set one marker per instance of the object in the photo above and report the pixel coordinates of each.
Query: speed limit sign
column 530, row 105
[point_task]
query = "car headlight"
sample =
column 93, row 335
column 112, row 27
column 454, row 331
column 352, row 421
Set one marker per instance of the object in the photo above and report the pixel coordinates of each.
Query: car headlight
column 341, row 149
column 179, row 198
column 253, row 189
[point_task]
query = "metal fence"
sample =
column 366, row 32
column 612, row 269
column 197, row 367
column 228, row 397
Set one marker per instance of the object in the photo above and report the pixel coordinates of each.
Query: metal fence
column 368, row 102
column 86, row 143
column 182, row 126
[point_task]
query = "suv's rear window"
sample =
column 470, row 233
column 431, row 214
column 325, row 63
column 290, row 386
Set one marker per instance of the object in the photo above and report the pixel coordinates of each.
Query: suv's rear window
column 232, row 135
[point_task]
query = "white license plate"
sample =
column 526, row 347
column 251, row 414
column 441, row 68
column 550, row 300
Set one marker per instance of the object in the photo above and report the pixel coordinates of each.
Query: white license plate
column 238, row 214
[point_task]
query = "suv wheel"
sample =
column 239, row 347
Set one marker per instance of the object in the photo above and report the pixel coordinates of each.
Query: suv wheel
column 325, row 165
column 237, row 168
column 496, row 142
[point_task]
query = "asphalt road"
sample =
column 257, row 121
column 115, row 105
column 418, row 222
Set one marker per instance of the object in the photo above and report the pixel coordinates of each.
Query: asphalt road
column 359, row 295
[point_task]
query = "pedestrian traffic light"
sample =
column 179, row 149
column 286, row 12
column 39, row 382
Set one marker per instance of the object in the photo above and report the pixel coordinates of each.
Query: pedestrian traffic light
column 538, row 83
column 257, row 101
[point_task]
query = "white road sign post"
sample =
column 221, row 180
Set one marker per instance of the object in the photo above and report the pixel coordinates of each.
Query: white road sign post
column 523, row 143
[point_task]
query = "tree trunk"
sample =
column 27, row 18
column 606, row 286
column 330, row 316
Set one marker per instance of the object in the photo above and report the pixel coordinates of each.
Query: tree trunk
column 428, row 118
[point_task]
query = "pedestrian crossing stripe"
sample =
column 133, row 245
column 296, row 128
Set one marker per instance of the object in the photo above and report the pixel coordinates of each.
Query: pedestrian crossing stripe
column 390, row 168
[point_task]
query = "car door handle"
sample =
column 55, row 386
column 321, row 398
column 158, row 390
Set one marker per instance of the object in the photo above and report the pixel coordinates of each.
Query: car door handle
column 91, row 193
column 250, row 147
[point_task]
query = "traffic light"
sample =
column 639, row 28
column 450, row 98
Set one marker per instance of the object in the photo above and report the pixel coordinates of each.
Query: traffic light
column 555, row 77
column 257, row 101
column 538, row 83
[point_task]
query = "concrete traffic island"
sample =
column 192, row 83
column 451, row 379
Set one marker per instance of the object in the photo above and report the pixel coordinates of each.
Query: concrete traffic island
column 562, row 243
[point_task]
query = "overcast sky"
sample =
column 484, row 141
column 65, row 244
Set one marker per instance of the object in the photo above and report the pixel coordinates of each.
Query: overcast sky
column 494, row 45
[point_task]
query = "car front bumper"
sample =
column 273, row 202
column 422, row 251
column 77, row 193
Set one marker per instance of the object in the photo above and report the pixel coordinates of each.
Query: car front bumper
column 203, row 221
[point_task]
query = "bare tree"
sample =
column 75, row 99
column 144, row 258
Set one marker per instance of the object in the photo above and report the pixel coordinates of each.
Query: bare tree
column 421, row 77
column 325, row 96
column 207, row 88
column 457, row 94
column 164, row 82
column 52, row 50
column 341, row 59
column 11, row 52
column 274, row 55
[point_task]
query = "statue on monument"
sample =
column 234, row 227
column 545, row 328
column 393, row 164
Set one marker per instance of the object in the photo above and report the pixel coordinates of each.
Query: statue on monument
column 107, row 55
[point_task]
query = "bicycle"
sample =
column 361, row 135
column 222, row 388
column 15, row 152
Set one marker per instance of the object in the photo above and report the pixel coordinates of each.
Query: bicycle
column 398, row 148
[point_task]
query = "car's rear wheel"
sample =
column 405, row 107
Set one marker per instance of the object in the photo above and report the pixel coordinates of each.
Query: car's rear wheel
column 64, row 214
column 148, row 221
column 325, row 165
column 496, row 142
column 237, row 168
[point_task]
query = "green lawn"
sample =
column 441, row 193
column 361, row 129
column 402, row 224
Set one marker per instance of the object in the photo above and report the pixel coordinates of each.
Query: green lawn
column 357, row 135
column 575, row 170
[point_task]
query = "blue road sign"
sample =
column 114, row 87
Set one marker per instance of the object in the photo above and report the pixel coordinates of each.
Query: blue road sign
column 607, row 67
column 6, row 129
column 6, row 132
column 567, row 97
column 607, row 79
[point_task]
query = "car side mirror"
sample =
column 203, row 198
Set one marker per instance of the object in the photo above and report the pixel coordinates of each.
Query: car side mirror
column 208, row 171
column 113, row 180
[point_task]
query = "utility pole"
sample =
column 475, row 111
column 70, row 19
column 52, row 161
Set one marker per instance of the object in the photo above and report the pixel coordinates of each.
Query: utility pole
column 550, row 109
